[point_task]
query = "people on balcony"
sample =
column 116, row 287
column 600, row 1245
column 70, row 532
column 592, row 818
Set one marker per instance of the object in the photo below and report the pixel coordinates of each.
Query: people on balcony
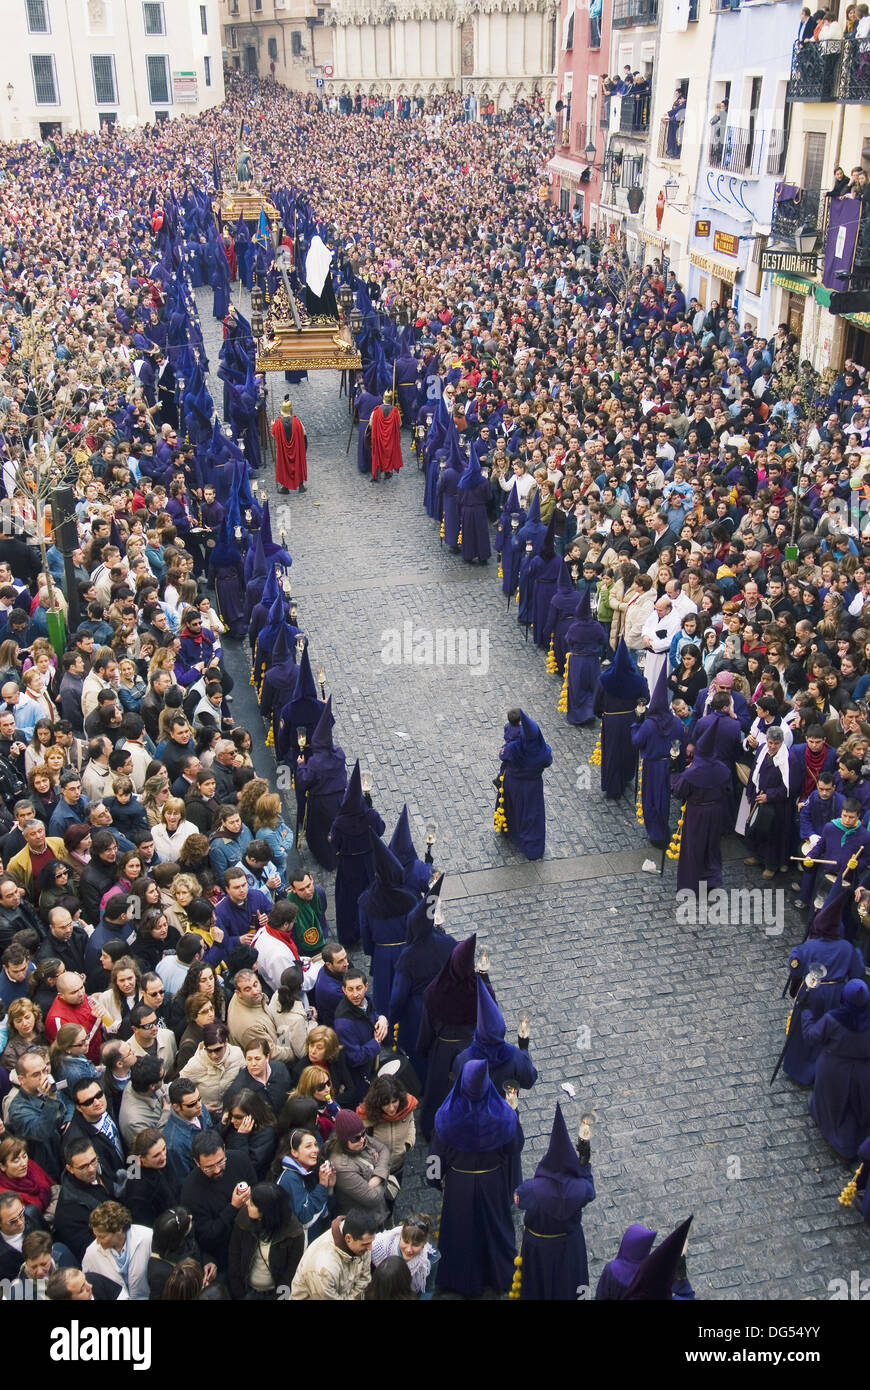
column 840, row 185
column 859, row 187
column 862, row 30
column 639, row 92
column 851, row 22
column 718, row 122
column 675, row 117
column 831, row 28
column 807, row 25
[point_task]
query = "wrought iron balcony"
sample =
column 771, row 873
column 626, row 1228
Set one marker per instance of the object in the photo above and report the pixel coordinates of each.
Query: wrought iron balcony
column 634, row 114
column 737, row 151
column 777, row 147
column 629, row 14
column 854, row 84
column 815, row 69
column 810, row 209
column 670, row 142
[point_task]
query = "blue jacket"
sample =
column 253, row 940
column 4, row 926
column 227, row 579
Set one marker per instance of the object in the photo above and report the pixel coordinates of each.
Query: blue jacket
column 328, row 994
column 816, row 813
column 228, row 850
column 361, row 1047
column 63, row 816
column 236, row 921
column 179, row 1136
column 129, row 816
column 308, row 1198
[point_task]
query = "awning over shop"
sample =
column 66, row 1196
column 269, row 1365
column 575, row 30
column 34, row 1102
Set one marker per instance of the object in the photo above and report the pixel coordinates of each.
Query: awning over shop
column 567, row 168
column 653, row 238
column 793, row 283
column 712, row 265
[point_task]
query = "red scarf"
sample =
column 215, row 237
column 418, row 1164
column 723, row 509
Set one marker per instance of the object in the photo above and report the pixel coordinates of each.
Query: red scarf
column 34, row 1188
column 813, row 763
column 282, row 937
column 387, row 1119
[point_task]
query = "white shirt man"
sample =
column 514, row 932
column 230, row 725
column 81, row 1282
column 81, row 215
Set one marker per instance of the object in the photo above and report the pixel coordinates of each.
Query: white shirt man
column 681, row 604
column 657, row 634
column 523, row 479
column 273, row 956
column 123, row 1259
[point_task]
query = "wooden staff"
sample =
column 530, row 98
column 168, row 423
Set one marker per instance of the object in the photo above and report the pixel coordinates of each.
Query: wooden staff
column 801, row 857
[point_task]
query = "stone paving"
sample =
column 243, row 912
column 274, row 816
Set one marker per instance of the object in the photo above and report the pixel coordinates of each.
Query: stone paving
column 668, row 1032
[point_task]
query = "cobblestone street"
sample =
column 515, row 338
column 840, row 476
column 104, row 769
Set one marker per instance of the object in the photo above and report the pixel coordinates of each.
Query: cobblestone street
column 668, row 1032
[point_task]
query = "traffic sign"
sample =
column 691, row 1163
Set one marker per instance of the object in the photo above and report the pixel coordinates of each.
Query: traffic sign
column 319, row 82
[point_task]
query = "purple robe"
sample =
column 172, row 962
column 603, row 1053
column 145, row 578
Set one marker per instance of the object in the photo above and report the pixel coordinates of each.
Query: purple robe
column 585, row 641
column 705, row 789
column 448, row 482
column 843, row 962
column 475, row 523
column 653, row 746
column 543, row 575
column 840, row 1102
column 618, row 758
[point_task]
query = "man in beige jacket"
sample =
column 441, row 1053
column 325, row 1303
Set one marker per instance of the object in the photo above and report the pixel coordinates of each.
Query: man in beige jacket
column 337, row 1267
column 249, row 1018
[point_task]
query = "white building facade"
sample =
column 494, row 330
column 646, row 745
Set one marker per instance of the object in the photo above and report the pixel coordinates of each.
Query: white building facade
column 69, row 65
column 503, row 51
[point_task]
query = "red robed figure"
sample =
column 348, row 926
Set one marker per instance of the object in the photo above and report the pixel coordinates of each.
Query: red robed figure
column 290, row 459
column 386, row 441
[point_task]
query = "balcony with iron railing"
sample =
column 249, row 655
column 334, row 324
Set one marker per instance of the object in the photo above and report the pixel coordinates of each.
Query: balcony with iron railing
column 634, row 114
column 854, row 80
column 777, row 147
column 737, row 151
column 815, row 70
column 631, row 14
column 810, row 209
column 670, row 140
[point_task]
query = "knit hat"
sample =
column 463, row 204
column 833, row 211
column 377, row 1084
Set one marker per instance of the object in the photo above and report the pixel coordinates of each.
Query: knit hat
column 348, row 1126
column 74, row 834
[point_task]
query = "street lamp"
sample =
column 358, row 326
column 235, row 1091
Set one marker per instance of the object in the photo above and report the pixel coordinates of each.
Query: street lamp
column 805, row 239
column 672, row 188
column 590, row 153
column 257, row 312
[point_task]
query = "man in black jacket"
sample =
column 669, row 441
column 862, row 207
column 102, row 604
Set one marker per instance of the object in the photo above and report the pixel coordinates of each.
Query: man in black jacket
column 70, row 1285
column 16, row 913
column 82, row 1190
column 91, row 1121
column 222, row 767
column 218, row 1185
column 14, row 839
column 66, row 940
column 16, row 1221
